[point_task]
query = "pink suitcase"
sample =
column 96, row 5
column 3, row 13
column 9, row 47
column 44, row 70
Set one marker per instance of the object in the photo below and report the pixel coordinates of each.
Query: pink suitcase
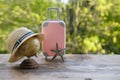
column 55, row 36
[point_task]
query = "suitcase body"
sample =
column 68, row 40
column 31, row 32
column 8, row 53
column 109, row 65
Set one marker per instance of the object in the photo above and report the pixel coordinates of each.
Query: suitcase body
column 55, row 33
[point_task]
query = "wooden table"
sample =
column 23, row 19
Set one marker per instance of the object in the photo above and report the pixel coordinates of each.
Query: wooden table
column 75, row 67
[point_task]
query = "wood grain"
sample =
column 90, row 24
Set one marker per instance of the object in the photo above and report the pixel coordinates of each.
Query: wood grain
column 75, row 67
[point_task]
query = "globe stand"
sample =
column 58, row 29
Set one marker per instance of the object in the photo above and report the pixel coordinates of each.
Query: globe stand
column 29, row 64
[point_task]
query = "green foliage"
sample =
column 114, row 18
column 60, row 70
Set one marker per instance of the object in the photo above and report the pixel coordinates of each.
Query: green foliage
column 93, row 26
column 20, row 13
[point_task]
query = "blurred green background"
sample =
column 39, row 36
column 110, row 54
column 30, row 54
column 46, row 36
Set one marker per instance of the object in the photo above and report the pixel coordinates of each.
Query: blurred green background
column 93, row 26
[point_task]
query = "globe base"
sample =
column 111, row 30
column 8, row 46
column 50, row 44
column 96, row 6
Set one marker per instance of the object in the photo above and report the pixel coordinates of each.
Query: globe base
column 29, row 64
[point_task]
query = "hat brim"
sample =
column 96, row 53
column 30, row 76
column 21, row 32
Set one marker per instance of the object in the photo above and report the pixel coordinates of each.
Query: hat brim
column 13, row 57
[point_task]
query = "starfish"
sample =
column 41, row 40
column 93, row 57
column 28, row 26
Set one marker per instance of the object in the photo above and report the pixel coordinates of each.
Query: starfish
column 58, row 52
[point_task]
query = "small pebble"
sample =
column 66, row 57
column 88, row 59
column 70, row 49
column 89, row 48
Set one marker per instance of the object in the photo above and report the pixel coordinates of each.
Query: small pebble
column 88, row 79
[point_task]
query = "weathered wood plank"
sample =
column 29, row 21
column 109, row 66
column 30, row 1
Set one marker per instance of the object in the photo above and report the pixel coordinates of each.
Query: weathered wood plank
column 75, row 67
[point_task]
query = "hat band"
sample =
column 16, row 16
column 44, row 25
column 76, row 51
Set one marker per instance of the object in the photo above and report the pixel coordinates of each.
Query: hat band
column 21, row 39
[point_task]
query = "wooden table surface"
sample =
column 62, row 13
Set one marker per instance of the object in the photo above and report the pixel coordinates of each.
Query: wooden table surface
column 75, row 67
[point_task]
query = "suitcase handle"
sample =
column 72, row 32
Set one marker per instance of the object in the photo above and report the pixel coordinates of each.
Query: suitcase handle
column 48, row 11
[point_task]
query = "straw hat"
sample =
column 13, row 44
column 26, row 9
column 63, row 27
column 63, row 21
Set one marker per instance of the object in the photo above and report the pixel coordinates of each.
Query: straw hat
column 17, row 38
